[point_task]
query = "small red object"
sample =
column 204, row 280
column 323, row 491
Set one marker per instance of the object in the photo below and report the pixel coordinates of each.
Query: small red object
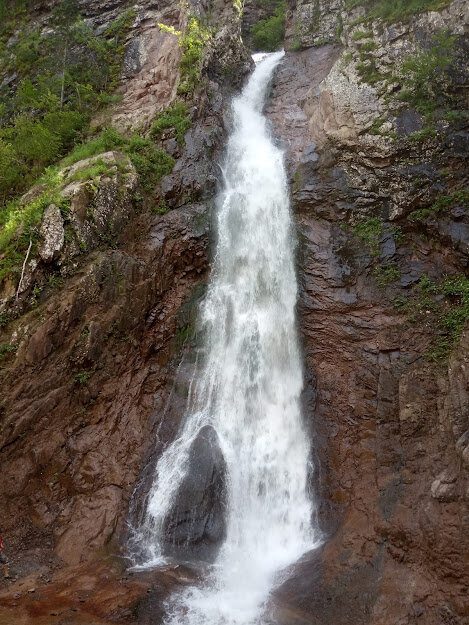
column 1, row 543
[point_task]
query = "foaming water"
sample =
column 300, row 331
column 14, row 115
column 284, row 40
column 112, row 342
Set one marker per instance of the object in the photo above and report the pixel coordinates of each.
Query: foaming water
column 249, row 387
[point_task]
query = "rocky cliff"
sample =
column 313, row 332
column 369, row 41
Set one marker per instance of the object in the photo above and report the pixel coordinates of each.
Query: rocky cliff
column 370, row 166
column 98, row 312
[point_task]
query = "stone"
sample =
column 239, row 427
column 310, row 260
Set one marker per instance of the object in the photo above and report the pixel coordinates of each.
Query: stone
column 52, row 233
column 462, row 447
column 444, row 487
column 197, row 517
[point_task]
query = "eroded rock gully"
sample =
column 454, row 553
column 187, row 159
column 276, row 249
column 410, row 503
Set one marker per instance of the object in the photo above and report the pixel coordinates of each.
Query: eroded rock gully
column 83, row 397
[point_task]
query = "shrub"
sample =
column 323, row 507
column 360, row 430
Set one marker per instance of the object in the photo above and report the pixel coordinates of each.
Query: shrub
column 269, row 33
column 176, row 117
column 61, row 77
column 426, row 75
column 395, row 10
column 109, row 139
column 193, row 42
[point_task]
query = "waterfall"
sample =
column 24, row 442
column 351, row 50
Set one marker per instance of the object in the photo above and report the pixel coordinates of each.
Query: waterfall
column 249, row 386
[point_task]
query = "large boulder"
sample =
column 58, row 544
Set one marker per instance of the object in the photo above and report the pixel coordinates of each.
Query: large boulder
column 195, row 526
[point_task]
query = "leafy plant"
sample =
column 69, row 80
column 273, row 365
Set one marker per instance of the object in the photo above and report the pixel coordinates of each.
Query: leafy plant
column 395, row 10
column 177, row 117
column 193, row 41
column 160, row 209
column 386, row 274
column 269, row 33
column 62, row 77
column 442, row 203
column 82, row 377
column 7, row 348
column 425, row 75
column 371, row 231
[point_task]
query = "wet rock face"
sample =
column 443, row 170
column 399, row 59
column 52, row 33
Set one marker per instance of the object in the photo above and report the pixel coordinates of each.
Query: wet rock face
column 105, row 308
column 84, row 392
column 312, row 22
column 390, row 428
column 195, row 526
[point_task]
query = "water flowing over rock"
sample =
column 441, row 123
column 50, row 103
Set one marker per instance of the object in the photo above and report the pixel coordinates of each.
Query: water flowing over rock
column 196, row 521
column 107, row 366
column 248, row 390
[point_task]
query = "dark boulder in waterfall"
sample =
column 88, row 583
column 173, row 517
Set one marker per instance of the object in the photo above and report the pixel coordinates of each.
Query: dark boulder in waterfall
column 195, row 525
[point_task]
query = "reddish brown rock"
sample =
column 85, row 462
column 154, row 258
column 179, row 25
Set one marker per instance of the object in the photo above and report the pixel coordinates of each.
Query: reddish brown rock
column 390, row 480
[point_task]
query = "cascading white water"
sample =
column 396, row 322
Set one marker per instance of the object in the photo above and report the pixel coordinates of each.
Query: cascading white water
column 249, row 388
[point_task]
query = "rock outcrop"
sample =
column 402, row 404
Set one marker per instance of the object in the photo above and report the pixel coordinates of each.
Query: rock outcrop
column 195, row 526
column 390, row 424
column 91, row 338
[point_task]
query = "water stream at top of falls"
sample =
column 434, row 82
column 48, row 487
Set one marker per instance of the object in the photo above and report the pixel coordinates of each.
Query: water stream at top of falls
column 250, row 384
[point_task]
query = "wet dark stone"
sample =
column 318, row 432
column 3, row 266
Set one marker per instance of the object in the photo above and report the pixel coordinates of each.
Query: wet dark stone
column 195, row 526
column 132, row 63
column 408, row 122
column 307, row 597
column 388, row 247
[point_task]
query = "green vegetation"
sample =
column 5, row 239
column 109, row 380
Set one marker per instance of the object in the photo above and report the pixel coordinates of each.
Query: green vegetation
column 371, row 232
column 454, row 317
column 449, row 302
column 6, row 349
column 426, row 75
column 446, row 305
column 367, row 68
column 376, row 126
column 296, row 44
column 150, row 162
column 61, row 78
column 160, row 209
column 358, row 35
column 366, row 48
column 423, row 135
column 238, row 5
column 176, row 117
column 368, row 71
column 19, row 223
column 193, row 41
column 184, row 334
column 386, row 274
column 269, row 33
column 442, row 203
column 316, row 17
column 82, row 377
column 395, row 10
column 97, row 169
column 402, row 303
